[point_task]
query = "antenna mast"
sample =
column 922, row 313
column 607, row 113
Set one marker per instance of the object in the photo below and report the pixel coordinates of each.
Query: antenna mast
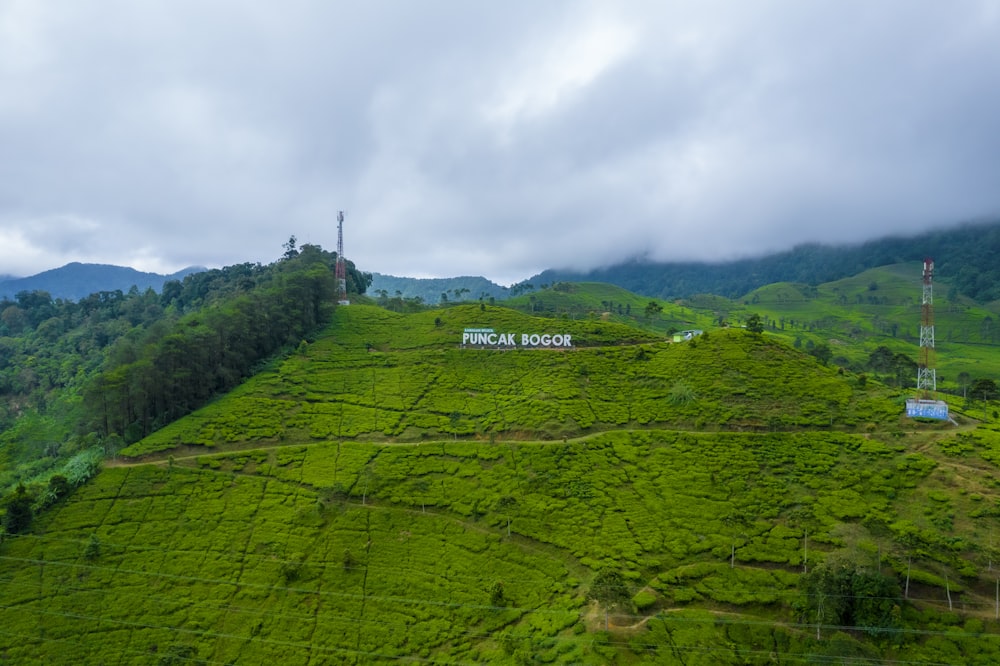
column 924, row 405
column 926, row 374
column 341, row 270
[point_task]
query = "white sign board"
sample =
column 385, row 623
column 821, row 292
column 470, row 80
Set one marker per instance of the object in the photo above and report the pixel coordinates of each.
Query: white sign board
column 487, row 337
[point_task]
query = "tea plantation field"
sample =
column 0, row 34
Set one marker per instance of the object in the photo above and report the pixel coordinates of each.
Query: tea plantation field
column 382, row 375
column 384, row 495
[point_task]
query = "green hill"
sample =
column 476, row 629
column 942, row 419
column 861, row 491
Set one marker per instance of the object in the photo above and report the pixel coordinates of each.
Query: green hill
column 376, row 374
column 853, row 316
column 882, row 307
column 386, row 494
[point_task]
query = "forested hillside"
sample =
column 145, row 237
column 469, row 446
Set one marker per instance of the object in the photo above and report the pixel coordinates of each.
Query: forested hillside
column 98, row 373
column 965, row 255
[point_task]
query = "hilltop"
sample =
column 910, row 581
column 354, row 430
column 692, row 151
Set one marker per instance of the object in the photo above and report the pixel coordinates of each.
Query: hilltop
column 383, row 493
column 378, row 374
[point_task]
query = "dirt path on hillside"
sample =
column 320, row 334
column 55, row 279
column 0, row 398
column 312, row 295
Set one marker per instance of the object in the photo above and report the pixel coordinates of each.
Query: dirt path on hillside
column 190, row 452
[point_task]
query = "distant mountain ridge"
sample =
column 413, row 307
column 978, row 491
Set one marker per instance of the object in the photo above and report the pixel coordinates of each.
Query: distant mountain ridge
column 77, row 280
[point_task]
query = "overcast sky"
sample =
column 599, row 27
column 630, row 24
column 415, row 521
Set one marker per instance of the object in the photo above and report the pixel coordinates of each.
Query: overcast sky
column 487, row 138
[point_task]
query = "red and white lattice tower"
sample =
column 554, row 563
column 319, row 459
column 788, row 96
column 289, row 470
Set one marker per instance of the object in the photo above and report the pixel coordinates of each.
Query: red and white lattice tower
column 926, row 374
column 341, row 270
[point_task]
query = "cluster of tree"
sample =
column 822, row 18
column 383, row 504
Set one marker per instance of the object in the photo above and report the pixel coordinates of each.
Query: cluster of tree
column 21, row 505
column 524, row 287
column 754, row 324
column 173, row 368
column 842, row 593
column 48, row 350
column 399, row 303
column 17, row 511
column 49, row 345
column 896, row 369
column 979, row 389
column 623, row 309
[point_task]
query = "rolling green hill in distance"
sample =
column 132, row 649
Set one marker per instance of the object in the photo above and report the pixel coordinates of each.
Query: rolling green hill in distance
column 853, row 317
column 882, row 306
column 384, row 493
column 430, row 290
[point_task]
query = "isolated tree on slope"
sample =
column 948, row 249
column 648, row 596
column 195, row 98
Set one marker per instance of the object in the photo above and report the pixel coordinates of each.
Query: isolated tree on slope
column 609, row 589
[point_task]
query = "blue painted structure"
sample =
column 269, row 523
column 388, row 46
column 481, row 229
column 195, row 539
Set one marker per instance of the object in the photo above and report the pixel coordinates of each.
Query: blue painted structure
column 927, row 409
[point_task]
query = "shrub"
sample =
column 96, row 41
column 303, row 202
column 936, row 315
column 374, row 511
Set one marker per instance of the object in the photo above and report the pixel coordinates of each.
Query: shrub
column 293, row 569
column 643, row 599
column 93, row 548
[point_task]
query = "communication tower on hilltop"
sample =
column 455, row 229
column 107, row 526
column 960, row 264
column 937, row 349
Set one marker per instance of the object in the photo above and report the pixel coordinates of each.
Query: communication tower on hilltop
column 341, row 271
column 926, row 374
column 924, row 405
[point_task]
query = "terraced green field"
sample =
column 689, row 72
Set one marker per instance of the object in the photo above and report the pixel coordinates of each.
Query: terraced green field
column 385, row 495
column 383, row 375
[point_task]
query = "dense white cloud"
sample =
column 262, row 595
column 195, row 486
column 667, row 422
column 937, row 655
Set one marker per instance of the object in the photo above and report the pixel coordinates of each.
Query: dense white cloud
column 465, row 138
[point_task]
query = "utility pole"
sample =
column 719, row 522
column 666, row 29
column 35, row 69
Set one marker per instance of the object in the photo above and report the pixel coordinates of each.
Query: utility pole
column 924, row 405
column 341, row 270
column 926, row 373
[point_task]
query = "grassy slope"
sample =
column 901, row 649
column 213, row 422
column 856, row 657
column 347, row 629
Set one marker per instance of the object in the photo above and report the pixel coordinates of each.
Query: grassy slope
column 337, row 543
column 611, row 303
column 847, row 314
column 381, row 375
